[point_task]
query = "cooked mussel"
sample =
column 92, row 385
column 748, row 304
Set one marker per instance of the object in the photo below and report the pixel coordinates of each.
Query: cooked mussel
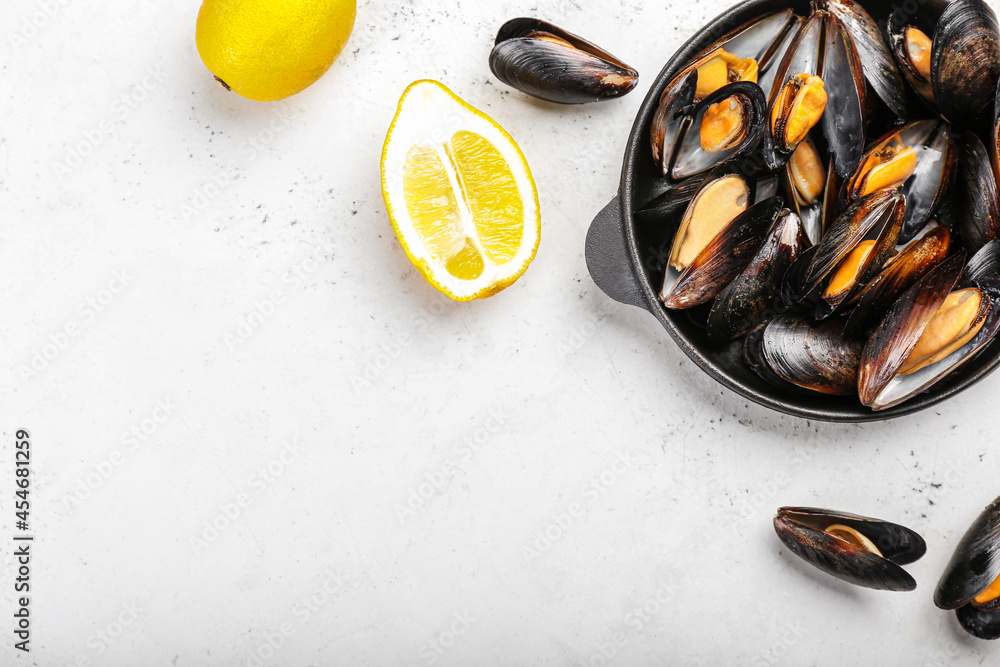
column 874, row 55
column 748, row 299
column 936, row 326
column 794, row 352
column 860, row 550
column 550, row 63
column 726, row 124
column 854, row 249
column 810, row 183
column 718, row 235
column 917, row 158
column 965, row 62
column 747, row 55
column 910, row 43
column 970, row 583
column 819, row 81
column 904, row 270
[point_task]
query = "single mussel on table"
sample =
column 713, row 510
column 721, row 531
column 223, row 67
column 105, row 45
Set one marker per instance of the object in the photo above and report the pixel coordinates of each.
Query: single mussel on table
column 860, row 550
column 970, row 583
column 553, row 64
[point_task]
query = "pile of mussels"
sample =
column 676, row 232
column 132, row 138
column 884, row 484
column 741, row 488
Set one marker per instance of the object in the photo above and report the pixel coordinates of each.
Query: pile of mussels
column 833, row 185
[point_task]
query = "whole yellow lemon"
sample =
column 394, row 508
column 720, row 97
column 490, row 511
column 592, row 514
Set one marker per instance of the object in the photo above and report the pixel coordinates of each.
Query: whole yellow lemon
column 267, row 50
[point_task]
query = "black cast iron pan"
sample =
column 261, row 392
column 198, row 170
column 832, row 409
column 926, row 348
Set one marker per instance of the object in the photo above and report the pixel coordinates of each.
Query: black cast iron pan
column 623, row 257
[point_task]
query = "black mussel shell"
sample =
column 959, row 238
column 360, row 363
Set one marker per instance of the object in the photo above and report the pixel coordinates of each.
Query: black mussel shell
column 935, row 156
column 975, row 564
column 881, row 214
column 809, row 355
column 671, row 202
column 816, row 215
column 877, row 61
column 754, row 294
column 794, row 293
column 550, row 63
column 976, row 197
column 898, row 333
column 801, row 529
column 763, row 39
column 725, row 257
column 979, row 622
column 965, row 62
column 690, row 159
column 803, row 56
column 903, row 271
column 984, row 265
column 899, row 20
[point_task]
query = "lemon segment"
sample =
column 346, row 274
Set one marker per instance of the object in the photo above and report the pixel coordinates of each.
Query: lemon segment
column 459, row 194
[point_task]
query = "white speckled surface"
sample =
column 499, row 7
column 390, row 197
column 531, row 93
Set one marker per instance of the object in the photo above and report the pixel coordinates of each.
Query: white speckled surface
column 539, row 478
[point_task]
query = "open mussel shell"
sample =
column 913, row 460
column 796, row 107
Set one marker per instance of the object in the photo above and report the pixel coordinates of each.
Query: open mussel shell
column 742, row 99
column 910, row 42
column 918, row 158
column 889, row 376
column 821, row 48
column 840, row 553
column 977, row 201
column 762, row 40
column 794, row 351
column 877, row 61
column 854, row 249
column 751, row 296
column 550, row 63
column 965, row 62
column 810, row 184
column 973, row 567
column 723, row 259
column 903, row 271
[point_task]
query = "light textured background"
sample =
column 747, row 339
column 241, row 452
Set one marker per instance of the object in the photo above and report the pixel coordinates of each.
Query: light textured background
column 524, row 479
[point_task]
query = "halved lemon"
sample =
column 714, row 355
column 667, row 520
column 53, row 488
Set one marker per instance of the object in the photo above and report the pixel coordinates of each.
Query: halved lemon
column 459, row 194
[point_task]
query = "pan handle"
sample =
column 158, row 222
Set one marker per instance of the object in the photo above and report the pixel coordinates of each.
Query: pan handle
column 608, row 260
